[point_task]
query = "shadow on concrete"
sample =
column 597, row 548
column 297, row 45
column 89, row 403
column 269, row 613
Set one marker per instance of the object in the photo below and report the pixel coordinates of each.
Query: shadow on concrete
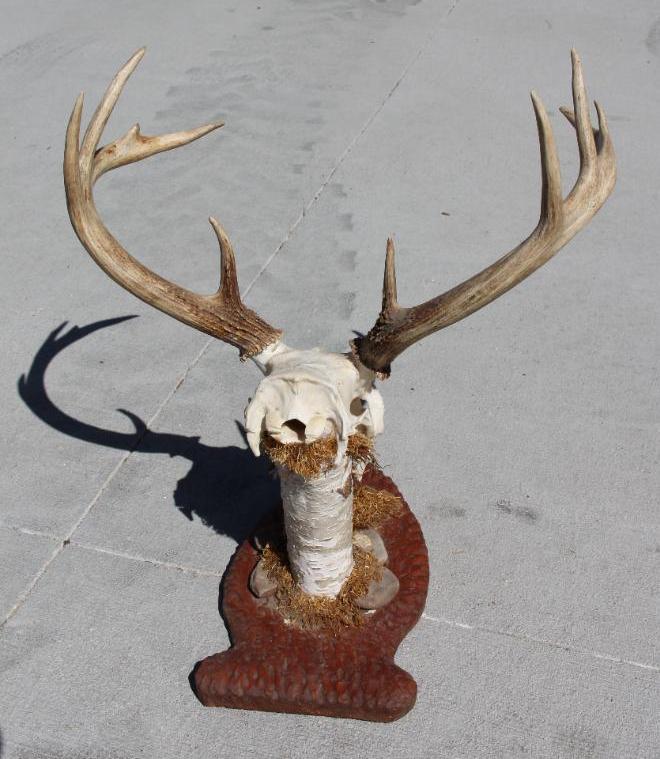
column 227, row 488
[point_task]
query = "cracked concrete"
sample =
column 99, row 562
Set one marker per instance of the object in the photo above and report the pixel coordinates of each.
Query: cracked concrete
column 535, row 476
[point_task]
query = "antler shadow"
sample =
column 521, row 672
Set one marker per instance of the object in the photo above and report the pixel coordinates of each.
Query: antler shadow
column 227, row 488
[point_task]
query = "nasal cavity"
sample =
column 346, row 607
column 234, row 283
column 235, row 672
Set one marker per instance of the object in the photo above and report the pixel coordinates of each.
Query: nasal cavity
column 297, row 427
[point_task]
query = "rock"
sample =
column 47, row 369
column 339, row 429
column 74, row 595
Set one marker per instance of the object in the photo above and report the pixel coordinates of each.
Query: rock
column 380, row 592
column 362, row 540
column 371, row 541
column 261, row 585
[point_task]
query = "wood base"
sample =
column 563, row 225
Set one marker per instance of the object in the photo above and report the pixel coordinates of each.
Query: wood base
column 276, row 667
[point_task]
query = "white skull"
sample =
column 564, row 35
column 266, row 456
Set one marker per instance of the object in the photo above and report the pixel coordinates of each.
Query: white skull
column 308, row 394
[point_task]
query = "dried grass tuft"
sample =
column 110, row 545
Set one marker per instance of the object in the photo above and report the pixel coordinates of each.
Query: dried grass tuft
column 361, row 449
column 319, row 612
column 306, row 459
column 372, row 507
column 311, row 459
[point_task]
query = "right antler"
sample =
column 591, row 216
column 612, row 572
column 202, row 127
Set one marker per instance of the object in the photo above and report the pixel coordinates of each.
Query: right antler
column 397, row 328
column 222, row 314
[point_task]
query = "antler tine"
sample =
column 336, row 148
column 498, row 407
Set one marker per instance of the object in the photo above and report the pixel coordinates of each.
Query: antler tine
column 585, row 135
column 603, row 131
column 601, row 134
column 551, row 199
column 106, row 106
column 228, row 291
column 133, row 146
column 389, row 279
column 222, row 315
column 398, row 328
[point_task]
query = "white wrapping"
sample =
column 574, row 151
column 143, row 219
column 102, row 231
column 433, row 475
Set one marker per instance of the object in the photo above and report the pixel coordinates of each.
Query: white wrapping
column 318, row 518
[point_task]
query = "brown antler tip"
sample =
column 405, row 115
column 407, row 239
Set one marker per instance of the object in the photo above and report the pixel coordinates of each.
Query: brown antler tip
column 228, row 291
column 602, row 120
column 73, row 130
column 389, row 279
column 223, row 237
column 568, row 113
column 220, row 233
column 536, row 99
column 78, row 106
column 537, row 104
column 133, row 61
column 204, row 130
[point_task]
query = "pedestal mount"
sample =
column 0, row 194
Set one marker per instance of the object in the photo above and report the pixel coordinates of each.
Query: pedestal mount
column 275, row 666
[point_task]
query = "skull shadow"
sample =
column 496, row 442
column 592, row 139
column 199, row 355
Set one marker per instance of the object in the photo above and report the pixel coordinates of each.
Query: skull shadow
column 227, row 488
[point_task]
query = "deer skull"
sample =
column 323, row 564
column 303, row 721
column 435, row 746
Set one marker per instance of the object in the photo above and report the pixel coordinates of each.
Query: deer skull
column 309, row 394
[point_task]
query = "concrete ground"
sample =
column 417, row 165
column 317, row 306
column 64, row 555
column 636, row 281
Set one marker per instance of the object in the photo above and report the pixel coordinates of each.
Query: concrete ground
column 525, row 438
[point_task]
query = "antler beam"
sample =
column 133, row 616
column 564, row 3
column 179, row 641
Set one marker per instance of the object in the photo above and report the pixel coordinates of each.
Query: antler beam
column 397, row 328
column 222, row 314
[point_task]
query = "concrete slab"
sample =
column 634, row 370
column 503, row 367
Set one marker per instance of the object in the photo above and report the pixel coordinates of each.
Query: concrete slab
column 64, row 693
column 21, row 558
column 92, row 667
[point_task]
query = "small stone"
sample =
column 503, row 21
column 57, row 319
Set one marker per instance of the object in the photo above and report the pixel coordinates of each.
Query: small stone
column 261, row 585
column 371, row 541
column 362, row 540
column 380, row 592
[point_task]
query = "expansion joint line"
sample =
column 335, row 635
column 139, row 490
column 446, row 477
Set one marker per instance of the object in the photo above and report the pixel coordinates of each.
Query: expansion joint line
column 541, row 642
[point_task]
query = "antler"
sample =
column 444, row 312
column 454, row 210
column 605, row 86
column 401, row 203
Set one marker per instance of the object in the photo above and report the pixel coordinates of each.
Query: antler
column 397, row 328
column 222, row 314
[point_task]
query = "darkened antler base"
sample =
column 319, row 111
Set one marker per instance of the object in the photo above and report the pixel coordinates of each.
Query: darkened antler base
column 276, row 667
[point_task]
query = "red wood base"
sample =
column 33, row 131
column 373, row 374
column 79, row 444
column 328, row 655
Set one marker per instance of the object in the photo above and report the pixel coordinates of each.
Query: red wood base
column 276, row 667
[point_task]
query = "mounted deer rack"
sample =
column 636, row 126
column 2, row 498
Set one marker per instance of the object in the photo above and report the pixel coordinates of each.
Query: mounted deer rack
column 319, row 599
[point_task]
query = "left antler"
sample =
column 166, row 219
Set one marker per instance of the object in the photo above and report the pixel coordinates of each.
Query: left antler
column 223, row 314
column 397, row 327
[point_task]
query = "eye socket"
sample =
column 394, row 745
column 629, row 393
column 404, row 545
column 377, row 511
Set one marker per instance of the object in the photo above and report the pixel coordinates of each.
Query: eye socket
column 357, row 406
